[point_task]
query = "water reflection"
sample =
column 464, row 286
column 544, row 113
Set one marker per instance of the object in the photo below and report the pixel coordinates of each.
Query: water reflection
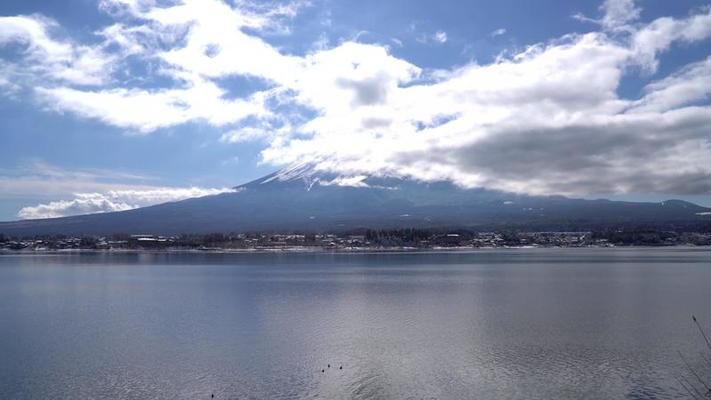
column 534, row 324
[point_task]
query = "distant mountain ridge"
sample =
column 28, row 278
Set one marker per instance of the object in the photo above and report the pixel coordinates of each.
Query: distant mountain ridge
column 301, row 198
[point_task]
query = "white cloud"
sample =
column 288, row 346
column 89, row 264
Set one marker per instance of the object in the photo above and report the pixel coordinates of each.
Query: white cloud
column 246, row 134
column 52, row 58
column 440, row 37
column 86, row 191
column 40, row 178
column 114, row 200
column 546, row 119
column 498, row 32
column 617, row 14
column 691, row 84
column 121, row 7
column 658, row 36
column 148, row 110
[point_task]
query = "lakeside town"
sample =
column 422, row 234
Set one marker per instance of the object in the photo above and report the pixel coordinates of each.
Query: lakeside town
column 396, row 239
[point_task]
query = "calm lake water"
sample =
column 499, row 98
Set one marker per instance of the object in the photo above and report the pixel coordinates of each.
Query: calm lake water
column 503, row 324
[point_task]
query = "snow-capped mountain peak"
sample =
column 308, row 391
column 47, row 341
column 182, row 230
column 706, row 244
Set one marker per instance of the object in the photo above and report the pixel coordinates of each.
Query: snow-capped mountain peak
column 311, row 176
column 292, row 172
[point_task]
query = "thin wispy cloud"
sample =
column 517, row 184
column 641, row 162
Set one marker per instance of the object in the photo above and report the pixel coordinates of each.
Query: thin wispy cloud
column 88, row 191
column 435, row 38
column 498, row 32
column 616, row 15
column 544, row 119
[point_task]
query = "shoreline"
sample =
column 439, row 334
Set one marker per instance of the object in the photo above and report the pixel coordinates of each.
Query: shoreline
column 319, row 250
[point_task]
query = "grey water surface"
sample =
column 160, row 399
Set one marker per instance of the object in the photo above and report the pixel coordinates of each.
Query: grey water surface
column 490, row 324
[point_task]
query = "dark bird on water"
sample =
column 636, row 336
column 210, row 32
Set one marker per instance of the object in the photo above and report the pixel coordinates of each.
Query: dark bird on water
column 329, row 365
column 323, row 370
column 341, row 367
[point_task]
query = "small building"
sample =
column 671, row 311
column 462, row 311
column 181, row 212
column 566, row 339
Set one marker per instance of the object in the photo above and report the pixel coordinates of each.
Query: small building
column 149, row 241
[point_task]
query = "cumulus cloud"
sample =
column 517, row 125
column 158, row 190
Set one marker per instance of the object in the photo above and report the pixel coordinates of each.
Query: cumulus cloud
column 87, row 191
column 544, row 119
column 84, row 203
column 114, row 200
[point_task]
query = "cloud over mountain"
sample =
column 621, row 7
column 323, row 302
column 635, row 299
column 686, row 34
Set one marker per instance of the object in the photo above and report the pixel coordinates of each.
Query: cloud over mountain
column 544, row 119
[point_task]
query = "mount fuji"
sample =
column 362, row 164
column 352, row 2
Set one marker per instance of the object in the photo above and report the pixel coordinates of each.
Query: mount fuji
column 300, row 198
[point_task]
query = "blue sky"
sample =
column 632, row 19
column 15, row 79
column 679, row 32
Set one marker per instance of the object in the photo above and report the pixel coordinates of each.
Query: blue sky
column 115, row 104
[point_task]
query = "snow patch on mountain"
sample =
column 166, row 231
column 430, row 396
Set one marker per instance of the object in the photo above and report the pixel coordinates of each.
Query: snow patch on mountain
column 292, row 172
column 311, row 175
column 349, row 181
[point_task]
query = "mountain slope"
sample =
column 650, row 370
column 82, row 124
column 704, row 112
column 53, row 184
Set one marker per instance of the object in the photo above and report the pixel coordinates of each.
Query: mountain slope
column 303, row 199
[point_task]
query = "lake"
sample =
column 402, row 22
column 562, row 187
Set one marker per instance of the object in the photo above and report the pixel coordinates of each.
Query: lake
column 490, row 324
